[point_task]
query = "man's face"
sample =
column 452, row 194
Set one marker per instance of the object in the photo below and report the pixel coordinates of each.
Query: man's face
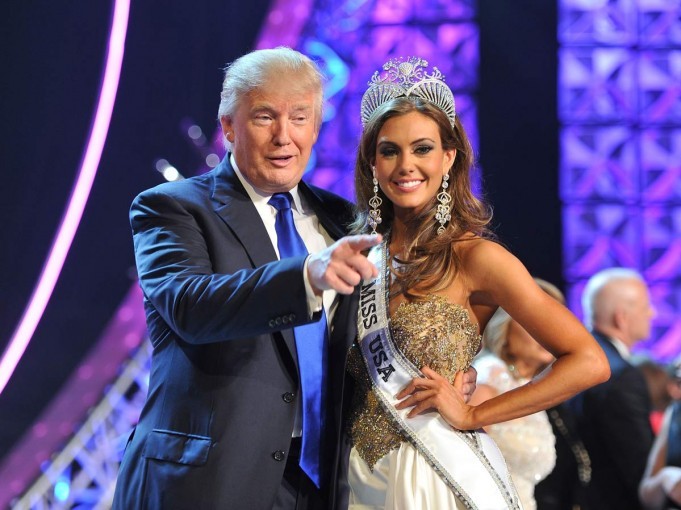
column 272, row 134
column 639, row 311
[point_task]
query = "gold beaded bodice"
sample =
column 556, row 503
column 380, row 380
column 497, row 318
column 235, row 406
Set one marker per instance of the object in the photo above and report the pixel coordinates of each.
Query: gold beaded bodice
column 431, row 332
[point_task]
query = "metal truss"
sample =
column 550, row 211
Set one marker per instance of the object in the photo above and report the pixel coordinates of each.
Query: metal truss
column 83, row 474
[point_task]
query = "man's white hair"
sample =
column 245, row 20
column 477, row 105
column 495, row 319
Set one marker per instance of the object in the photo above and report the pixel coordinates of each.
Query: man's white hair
column 597, row 282
column 253, row 71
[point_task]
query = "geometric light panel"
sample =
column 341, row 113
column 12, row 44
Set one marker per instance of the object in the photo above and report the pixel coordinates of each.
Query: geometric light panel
column 619, row 96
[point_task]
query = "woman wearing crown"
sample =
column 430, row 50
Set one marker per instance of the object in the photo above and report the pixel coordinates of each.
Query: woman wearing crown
column 416, row 443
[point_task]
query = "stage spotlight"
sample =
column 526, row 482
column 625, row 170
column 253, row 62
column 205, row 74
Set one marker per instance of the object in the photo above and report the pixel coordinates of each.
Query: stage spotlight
column 62, row 489
column 169, row 172
column 212, row 160
column 194, row 132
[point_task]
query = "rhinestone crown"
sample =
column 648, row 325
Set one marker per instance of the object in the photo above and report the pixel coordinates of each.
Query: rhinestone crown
column 406, row 79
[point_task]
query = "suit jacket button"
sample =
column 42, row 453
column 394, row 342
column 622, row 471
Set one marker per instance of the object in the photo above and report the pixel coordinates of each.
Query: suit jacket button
column 279, row 455
column 271, row 323
column 288, row 397
column 277, row 321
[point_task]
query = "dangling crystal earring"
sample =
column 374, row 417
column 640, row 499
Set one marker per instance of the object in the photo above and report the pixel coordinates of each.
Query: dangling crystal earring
column 375, row 202
column 444, row 207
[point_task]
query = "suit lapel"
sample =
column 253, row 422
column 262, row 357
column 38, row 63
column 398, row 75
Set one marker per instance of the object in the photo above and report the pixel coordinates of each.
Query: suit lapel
column 236, row 209
column 330, row 224
column 234, row 206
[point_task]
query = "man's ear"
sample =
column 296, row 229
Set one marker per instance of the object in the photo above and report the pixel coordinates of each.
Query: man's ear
column 619, row 318
column 227, row 128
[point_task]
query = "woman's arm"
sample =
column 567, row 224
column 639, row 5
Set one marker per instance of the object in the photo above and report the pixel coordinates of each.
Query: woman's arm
column 497, row 278
column 482, row 392
column 500, row 278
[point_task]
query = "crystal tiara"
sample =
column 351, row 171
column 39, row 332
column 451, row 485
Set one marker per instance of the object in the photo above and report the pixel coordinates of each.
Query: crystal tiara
column 407, row 79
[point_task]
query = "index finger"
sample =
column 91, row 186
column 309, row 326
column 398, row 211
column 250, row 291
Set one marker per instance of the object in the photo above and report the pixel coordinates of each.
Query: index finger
column 361, row 242
column 407, row 390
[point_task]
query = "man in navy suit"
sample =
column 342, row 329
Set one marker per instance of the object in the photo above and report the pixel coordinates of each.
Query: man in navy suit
column 613, row 419
column 222, row 422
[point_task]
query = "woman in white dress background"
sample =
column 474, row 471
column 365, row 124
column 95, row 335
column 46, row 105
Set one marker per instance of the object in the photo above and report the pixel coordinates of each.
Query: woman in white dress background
column 509, row 360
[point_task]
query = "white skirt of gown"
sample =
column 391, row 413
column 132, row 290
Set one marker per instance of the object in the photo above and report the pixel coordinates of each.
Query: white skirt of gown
column 402, row 480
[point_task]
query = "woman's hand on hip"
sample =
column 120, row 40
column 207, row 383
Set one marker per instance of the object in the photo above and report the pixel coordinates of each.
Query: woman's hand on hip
column 435, row 393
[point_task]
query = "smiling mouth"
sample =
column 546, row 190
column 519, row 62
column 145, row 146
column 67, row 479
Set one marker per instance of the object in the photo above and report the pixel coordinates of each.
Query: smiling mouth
column 407, row 184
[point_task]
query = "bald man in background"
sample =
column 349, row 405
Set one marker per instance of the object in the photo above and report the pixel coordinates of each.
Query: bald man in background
column 613, row 418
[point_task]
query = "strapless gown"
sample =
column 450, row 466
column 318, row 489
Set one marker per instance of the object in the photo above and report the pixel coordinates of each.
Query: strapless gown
column 386, row 471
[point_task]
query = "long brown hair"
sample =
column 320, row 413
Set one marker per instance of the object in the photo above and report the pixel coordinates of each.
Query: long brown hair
column 431, row 262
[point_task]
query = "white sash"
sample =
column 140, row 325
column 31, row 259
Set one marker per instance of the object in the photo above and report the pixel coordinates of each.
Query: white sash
column 469, row 462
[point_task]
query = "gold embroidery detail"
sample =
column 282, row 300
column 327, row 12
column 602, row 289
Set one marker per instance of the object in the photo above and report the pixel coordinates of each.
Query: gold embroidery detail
column 431, row 332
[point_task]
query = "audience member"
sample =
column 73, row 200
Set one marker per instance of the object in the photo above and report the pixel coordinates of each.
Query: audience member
column 565, row 487
column 510, row 359
column 661, row 484
column 657, row 378
column 613, row 419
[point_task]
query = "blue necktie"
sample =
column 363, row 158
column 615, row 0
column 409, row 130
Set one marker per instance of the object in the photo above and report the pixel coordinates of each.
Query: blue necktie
column 311, row 345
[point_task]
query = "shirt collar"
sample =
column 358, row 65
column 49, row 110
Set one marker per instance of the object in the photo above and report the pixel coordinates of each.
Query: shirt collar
column 259, row 197
column 621, row 347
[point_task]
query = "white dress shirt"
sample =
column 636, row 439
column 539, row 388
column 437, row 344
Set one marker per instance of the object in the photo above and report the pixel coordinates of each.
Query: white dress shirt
column 315, row 237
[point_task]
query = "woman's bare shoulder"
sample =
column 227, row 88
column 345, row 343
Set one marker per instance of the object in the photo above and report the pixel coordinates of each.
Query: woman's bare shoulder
column 488, row 267
column 474, row 250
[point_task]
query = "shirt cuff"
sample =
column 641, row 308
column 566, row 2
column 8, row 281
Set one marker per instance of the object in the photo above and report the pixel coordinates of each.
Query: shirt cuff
column 672, row 476
column 314, row 302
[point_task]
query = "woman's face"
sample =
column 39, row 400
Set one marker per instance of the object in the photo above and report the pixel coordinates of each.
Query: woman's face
column 520, row 345
column 410, row 161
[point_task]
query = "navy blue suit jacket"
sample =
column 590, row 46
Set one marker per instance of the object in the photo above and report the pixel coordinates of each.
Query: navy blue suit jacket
column 220, row 308
column 613, row 420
